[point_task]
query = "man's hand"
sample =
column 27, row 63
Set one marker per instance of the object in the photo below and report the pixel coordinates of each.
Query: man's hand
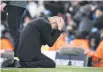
column 57, row 22
column 2, row 6
column 60, row 23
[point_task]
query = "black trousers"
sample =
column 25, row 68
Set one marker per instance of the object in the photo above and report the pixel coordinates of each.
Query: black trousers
column 14, row 20
column 41, row 61
column 14, row 17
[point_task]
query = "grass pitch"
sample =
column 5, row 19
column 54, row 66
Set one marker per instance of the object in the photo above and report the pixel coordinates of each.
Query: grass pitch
column 57, row 69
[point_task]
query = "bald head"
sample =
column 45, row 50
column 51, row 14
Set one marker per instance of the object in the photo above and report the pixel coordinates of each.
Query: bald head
column 56, row 22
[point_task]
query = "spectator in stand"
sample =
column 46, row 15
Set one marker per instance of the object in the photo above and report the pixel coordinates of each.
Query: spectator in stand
column 70, row 31
column 97, row 60
column 94, row 39
column 98, row 17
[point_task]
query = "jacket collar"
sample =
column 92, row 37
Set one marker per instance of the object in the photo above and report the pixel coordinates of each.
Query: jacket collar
column 46, row 20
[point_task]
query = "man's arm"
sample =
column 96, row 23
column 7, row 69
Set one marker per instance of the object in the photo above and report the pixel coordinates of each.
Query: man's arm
column 50, row 39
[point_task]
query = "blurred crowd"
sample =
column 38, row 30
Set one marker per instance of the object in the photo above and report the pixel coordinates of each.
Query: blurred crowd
column 83, row 26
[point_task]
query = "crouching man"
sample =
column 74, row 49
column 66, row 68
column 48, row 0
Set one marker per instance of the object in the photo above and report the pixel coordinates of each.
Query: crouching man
column 38, row 32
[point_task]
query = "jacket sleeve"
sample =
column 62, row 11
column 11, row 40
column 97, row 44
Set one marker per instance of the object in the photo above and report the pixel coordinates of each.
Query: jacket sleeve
column 48, row 37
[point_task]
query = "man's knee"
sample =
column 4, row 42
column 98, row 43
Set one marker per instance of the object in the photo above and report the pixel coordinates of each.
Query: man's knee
column 51, row 64
column 37, row 65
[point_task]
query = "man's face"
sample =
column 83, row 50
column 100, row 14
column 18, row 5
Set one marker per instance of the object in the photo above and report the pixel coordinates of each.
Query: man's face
column 53, row 22
column 98, row 13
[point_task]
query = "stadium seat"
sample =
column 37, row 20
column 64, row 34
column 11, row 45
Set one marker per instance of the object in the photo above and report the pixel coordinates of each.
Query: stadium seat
column 72, row 51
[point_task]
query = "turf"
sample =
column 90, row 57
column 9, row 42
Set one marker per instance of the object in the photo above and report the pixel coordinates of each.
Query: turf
column 57, row 69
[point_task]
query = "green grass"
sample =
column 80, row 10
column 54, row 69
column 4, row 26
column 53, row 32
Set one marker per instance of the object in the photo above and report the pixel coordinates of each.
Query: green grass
column 57, row 69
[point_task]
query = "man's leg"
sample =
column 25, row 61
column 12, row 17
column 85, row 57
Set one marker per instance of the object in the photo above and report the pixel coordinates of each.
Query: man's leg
column 14, row 16
column 41, row 61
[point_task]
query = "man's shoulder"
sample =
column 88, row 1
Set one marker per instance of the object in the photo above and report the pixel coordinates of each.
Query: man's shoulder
column 37, row 19
column 45, row 19
column 40, row 22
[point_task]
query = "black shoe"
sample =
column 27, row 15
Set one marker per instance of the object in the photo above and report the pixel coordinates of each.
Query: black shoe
column 14, row 64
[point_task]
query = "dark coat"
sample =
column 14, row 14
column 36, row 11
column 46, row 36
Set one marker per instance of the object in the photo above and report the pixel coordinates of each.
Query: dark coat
column 16, row 3
column 37, row 33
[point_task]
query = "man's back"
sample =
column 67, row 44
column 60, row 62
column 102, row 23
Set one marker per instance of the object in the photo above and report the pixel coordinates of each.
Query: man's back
column 30, row 37
column 37, row 26
column 34, row 35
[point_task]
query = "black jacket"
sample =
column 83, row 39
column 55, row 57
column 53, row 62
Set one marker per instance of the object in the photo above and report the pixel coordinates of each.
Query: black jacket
column 22, row 4
column 37, row 33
